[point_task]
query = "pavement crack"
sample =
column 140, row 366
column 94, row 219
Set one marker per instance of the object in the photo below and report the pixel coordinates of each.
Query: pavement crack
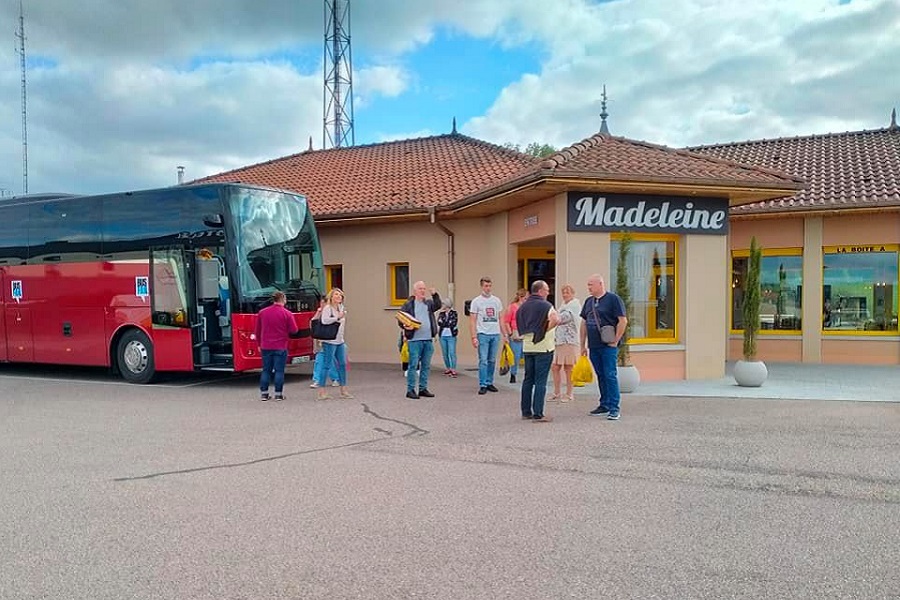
column 413, row 430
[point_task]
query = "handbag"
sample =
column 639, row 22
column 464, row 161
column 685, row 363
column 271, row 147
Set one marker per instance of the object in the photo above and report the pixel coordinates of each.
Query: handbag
column 607, row 332
column 323, row 332
column 507, row 358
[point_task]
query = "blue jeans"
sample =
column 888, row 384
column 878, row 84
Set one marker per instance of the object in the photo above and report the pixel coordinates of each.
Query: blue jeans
column 419, row 350
column 488, row 346
column 603, row 360
column 319, row 367
column 516, row 347
column 273, row 362
column 534, row 386
column 333, row 353
column 448, row 350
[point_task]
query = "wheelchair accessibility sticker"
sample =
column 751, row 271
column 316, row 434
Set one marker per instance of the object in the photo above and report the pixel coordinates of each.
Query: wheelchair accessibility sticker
column 16, row 290
column 141, row 287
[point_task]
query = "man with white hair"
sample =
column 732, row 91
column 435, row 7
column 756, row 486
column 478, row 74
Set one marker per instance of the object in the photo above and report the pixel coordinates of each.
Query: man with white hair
column 420, row 340
column 602, row 328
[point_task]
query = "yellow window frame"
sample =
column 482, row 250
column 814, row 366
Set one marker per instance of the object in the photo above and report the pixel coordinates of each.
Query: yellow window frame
column 659, row 335
column 886, row 248
column 745, row 253
column 392, row 275
column 330, row 271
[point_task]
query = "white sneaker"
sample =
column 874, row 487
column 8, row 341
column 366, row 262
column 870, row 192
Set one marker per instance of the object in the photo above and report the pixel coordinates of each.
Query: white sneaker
column 314, row 385
column 335, row 384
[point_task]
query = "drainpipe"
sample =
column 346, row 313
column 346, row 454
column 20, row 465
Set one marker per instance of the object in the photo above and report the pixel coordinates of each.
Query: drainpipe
column 451, row 253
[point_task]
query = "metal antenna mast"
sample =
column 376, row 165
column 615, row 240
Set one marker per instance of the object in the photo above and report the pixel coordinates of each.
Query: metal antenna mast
column 21, row 35
column 338, row 69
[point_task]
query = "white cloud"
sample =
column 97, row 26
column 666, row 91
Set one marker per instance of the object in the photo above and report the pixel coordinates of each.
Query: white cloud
column 122, row 91
column 381, row 80
column 702, row 71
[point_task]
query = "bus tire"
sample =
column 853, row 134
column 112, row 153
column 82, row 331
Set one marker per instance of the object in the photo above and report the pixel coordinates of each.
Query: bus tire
column 134, row 357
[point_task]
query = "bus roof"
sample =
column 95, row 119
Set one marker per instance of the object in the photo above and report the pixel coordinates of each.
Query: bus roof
column 27, row 198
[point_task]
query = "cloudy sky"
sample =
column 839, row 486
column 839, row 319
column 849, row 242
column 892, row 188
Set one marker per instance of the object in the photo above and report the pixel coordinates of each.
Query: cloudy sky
column 120, row 92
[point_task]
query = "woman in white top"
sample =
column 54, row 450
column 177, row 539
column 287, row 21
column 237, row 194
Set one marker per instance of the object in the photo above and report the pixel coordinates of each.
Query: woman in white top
column 566, row 354
column 335, row 351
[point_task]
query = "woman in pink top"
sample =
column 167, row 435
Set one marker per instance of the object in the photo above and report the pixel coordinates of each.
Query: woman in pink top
column 508, row 322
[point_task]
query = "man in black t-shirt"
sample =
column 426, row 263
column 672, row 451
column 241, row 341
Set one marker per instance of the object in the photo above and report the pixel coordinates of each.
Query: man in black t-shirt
column 603, row 308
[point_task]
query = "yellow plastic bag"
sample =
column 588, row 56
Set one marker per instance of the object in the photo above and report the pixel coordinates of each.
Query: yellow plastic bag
column 404, row 352
column 582, row 372
column 506, row 359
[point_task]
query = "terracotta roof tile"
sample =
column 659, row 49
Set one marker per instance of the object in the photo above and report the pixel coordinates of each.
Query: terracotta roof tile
column 391, row 177
column 611, row 157
column 857, row 169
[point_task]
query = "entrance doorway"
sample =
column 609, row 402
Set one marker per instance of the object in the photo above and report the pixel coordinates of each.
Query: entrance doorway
column 537, row 262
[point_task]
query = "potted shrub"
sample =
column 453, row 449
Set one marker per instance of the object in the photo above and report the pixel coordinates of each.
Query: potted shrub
column 751, row 372
column 629, row 376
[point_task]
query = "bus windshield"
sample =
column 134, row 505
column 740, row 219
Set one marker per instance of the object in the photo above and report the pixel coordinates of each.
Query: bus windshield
column 276, row 248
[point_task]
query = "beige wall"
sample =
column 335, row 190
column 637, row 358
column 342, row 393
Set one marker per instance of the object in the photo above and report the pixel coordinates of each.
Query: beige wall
column 882, row 228
column 703, row 318
column 770, row 233
column 532, row 222
column 481, row 246
column 860, row 352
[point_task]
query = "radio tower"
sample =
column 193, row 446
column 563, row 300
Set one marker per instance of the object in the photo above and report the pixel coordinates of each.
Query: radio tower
column 21, row 35
column 338, row 68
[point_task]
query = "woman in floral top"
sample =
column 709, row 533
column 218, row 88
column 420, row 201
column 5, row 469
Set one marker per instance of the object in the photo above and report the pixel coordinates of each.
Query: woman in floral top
column 566, row 353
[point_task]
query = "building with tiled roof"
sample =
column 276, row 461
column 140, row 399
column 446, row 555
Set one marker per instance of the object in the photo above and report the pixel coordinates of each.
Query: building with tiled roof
column 834, row 245
column 449, row 209
column 390, row 179
column 844, row 171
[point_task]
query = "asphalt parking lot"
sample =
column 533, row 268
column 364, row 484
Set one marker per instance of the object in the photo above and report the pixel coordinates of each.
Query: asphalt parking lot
column 192, row 488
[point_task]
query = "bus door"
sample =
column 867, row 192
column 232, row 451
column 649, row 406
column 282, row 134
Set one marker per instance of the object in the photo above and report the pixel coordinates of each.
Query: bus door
column 176, row 329
column 19, row 343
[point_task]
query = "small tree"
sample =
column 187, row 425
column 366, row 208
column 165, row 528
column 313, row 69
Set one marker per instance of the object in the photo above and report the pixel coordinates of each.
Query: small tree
column 623, row 290
column 750, row 308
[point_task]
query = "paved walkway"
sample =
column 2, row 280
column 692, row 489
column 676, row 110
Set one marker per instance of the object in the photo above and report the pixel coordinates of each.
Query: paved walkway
column 786, row 381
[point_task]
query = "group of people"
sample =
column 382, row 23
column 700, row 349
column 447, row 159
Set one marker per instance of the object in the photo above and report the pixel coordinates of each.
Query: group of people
column 275, row 325
column 549, row 339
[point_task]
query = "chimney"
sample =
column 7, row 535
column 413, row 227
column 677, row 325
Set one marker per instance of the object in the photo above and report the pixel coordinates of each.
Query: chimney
column 180, row 174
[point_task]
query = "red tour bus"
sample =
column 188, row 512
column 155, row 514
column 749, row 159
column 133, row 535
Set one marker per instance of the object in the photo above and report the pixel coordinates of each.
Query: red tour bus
column 157, row 280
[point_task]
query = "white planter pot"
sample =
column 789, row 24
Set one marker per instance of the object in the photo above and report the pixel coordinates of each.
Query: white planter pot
column 629, row 379
column 750, row 373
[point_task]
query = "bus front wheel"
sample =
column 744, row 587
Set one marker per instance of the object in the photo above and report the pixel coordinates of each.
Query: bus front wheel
column 135, row 357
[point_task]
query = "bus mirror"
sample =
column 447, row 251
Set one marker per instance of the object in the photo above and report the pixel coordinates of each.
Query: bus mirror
column 213, row 220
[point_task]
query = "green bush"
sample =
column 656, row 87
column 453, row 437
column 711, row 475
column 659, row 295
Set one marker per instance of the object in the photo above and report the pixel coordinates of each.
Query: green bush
column 750, row 308
column 623, row 290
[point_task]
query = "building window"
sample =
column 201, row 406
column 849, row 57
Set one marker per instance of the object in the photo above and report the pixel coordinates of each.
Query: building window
column 334, row 277
column 399, row 278
column 652, row 275
column 781, row 287
column 859, row 291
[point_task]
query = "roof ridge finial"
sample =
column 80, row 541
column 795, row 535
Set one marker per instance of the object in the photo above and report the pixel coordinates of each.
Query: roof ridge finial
column 310, row 149
column 454, row 127
column 894, row 119
column 603, row 114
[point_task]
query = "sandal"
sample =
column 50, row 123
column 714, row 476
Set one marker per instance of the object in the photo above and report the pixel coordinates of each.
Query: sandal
column 346, row 396
column 323, row 397
column 566, row 398
column 554, row 398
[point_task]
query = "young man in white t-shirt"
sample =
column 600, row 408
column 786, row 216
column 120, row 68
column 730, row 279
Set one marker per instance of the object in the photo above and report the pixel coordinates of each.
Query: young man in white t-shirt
column 484, row 325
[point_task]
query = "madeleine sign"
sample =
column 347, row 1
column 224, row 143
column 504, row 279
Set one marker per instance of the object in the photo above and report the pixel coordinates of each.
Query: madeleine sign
column 658, row 214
